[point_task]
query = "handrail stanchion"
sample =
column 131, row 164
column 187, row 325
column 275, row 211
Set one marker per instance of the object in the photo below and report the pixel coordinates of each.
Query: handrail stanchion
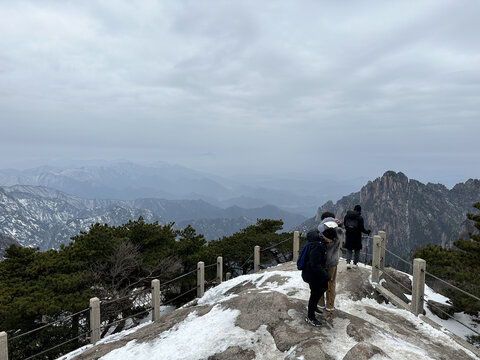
column 256, row 259
column 296, row 245
column 3, row 346
column 418, row 287
column 377, row 240
column 383, row 246
column 200, row 279
column 155, row 300
column 219, row 270
column 94, row 320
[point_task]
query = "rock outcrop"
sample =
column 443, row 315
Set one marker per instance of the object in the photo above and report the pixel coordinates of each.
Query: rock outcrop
column 267, row 313
column 411, row 213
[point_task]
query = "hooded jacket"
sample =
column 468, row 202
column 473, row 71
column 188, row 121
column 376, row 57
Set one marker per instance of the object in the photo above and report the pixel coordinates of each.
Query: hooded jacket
column 332, row 253
column 353, row 235
column 315, row 269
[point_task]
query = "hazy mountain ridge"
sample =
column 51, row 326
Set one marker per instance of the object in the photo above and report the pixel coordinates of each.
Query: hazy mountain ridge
column 412, row 213
column 129, row 181
column 46, row 218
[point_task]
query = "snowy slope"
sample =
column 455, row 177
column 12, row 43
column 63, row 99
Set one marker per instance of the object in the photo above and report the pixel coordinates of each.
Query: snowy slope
column 261, row 316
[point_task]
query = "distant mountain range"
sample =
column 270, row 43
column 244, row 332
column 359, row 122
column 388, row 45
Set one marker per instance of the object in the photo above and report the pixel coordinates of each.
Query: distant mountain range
column 129, row 181
column 411, row 213
column 45, row 218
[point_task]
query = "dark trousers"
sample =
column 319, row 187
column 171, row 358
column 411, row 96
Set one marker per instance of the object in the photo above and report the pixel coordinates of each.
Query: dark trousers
column 317, row 289
column 356, row 256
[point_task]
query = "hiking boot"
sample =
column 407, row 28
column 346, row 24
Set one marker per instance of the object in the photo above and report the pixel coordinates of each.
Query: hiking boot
column 313, row 322
column 331, row 309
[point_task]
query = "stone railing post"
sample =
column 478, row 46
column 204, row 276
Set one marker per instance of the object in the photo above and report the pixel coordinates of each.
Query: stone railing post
column 3, row 346
column 296, row 245
column 383, row 246
column 219, row 270
column 228, row 276
column 200, row 279
column 155, row 299
column 418, row 287
column 377, row 240
column 256, row 259
column 94, row 320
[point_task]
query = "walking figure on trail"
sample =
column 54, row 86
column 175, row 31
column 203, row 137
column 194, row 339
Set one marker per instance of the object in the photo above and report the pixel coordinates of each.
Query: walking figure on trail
column 314, row 271
column 354, row 227
column 331, row 262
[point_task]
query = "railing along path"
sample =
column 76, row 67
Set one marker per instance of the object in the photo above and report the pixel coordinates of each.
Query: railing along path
column 151, row 300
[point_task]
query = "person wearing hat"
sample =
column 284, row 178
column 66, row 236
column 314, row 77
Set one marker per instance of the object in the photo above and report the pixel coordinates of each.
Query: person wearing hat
column 315, row 272
column 354, row 227
column 332, row 254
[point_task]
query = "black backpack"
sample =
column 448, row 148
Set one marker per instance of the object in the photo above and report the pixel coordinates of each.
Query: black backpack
column 302, row 257
column 351, row 223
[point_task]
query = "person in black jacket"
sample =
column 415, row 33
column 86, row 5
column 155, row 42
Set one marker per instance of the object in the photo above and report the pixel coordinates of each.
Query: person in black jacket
column 354, row 227
column 315, row 272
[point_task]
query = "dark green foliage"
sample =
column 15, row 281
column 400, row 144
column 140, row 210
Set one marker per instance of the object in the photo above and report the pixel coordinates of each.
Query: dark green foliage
column 459, row 266
column 110, row 263
column 237, row 249
column 37, row 288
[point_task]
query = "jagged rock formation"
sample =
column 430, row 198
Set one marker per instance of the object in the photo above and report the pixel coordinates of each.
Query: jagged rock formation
column 45, row 218
column 261, row 316
column 412, row 214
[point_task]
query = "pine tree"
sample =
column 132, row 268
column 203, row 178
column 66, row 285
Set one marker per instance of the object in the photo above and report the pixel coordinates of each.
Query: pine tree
column 459, row 266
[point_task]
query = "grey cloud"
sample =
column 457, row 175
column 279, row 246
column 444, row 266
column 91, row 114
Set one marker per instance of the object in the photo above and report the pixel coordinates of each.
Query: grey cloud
column 256, row 85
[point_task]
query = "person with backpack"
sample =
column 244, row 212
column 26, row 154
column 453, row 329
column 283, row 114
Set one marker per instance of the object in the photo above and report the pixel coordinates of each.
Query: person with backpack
column 354, row 227
column 314, row 270
column 332, row 258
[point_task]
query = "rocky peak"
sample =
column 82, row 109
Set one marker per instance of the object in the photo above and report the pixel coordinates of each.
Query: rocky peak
column 412, row 213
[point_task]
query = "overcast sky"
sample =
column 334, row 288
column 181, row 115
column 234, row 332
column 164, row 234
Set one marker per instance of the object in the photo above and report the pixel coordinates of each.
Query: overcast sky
column 352, row 88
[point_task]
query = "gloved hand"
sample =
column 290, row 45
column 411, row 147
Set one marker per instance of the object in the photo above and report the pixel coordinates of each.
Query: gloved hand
column 368, row 232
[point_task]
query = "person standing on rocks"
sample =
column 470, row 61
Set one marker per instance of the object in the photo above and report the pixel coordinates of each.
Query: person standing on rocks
column 332, row 257
column 354, row 227
column 314, row 271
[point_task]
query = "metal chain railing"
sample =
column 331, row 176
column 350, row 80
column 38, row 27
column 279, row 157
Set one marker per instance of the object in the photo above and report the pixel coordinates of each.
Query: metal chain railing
column 425, row 297
column 144, row 305
column 450, row 316
column 133, row 293
column 47, row 325
column 140, row 299
column 275, row 245
column 29, row 341
column 179, row 296
column 57, row 346
column 453, row 286
column 396, row 281
column 177, row 278
column 241, row 267
column 408, row 263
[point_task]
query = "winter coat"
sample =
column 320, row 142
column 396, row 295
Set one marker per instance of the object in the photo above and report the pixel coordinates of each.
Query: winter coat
column 315, row 270
column 333, row 249
column 353, row 236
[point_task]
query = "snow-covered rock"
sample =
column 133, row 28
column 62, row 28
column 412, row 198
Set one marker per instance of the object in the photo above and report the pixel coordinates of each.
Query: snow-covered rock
column 261, row 316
